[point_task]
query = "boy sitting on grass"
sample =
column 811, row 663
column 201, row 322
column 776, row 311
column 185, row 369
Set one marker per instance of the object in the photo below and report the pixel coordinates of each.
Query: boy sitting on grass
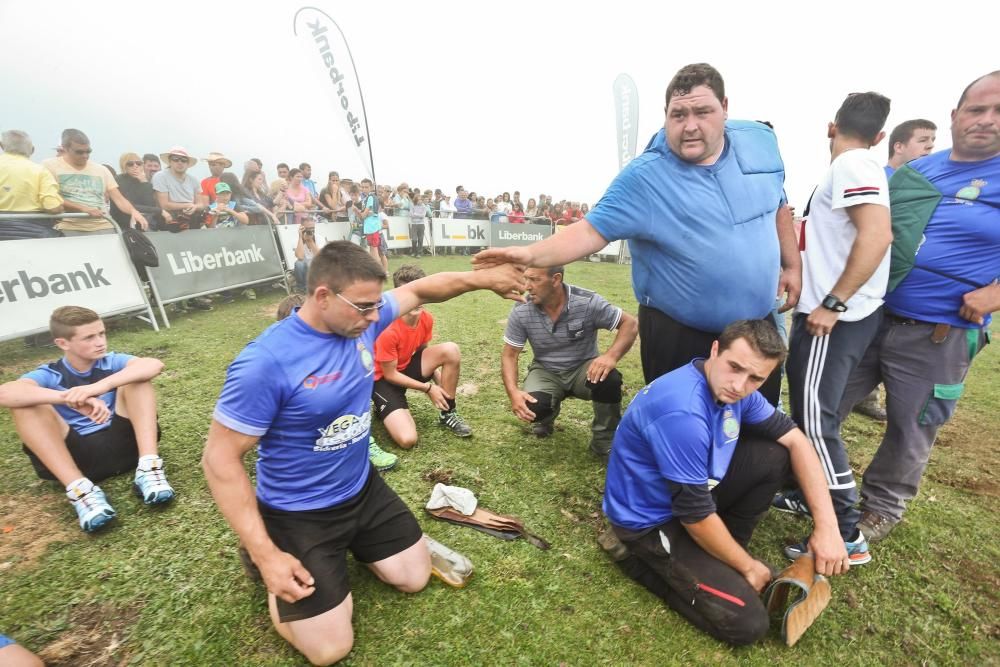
column 89, row 416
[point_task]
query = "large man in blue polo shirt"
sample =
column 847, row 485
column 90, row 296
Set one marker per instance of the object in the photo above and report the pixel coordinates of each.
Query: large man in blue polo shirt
column 303, row 390
column 944, row 283
column 699, row 210
column 684, row 491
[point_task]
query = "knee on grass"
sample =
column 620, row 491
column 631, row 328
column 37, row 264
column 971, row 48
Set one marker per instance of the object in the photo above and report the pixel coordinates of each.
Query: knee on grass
column 327, row 651
column 744, row 628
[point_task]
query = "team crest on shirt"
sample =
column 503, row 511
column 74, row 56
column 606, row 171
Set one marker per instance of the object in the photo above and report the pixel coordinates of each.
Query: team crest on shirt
column 972, row 190
column 343, row 431
column 730, row 427
column 366, row 357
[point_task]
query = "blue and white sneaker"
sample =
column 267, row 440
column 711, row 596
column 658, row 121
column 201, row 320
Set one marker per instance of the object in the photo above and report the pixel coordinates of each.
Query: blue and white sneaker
column 791, row 502
column 857, row 550
column 91, row 505
column 150, row 481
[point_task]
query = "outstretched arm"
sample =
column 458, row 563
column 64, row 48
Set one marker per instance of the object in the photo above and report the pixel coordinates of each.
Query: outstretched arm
column 577, row 241
column 504, row 279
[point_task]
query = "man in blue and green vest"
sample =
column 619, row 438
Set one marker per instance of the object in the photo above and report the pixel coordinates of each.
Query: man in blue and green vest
column 944, row 283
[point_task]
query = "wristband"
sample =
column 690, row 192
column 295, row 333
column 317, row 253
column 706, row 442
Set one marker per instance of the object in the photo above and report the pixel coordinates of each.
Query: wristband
column 428, row 390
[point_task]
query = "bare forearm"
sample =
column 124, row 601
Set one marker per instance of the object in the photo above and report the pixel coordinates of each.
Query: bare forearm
column 807, row 471
column 443, row 286
column 227, row 479
column 712, row 535
column 787, row 243
column 400, row 380
column 866, row 254
column 508, row 368
column 577, row 241
column 628, row 330
column 142, row 369
column 23, row 394
column 73, row 207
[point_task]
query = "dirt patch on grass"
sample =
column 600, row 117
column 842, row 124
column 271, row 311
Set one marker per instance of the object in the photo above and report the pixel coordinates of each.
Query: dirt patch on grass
column 28, row 526
column 95, row 637
column 969, row 458
column 467, row 389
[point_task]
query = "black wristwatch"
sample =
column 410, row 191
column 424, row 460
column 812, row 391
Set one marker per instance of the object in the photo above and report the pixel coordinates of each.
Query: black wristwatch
column 830, row 302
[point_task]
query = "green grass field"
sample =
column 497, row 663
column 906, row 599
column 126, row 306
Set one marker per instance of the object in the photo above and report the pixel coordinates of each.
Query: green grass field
column 164, row 586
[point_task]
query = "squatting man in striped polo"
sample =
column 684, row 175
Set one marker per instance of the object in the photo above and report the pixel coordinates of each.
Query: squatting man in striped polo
column 561, row 323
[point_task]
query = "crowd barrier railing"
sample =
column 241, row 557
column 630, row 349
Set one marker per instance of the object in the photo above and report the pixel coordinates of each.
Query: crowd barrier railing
column 195, row 263
column 38, row 275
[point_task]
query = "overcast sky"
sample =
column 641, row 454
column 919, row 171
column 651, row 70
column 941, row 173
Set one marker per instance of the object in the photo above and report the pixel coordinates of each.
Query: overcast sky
column 493, row 96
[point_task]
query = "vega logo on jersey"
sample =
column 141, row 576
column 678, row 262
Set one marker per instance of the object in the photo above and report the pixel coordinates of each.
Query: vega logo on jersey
column 343, row 431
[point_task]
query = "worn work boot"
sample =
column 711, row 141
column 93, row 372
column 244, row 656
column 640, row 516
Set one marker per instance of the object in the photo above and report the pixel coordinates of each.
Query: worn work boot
column 871, row 407
column 542, row 429
column 874, row 526
column 612, row 546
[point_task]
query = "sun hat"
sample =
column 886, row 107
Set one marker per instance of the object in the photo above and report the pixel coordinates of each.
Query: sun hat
column 219, row 157
column 177, row 150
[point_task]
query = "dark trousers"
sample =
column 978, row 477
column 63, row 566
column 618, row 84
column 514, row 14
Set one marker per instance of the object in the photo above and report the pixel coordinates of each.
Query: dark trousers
column 665, row 345
column 712, row 596
column 417, row 239
column 819, row 368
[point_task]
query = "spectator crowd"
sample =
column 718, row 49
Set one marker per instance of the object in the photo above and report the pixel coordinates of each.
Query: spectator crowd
column 157, row 191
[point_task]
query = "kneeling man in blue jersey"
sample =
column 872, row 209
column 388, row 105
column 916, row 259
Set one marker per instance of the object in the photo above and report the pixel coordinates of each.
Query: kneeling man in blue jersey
column 89, row 416
column 685, row 489
column 303, row 390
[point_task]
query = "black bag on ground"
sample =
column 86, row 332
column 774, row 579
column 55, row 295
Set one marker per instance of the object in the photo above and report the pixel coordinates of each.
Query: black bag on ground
column 140, row 248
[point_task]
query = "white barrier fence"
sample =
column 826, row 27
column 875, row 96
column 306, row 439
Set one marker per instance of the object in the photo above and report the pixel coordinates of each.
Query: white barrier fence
column 39, row 275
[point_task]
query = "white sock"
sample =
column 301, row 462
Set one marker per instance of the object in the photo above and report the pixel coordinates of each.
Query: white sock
column 83, row 485
column 152, row 458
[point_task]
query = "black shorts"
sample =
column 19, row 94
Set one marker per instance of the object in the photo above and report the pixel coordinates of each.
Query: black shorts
column 99, row 455
column 374, row 525
column 389, row 397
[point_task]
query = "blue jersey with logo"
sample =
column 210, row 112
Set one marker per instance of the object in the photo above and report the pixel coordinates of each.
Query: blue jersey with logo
column 960, row 249
column 307, row 395
column 703, row 240
column 672, row 430
column 60, row 376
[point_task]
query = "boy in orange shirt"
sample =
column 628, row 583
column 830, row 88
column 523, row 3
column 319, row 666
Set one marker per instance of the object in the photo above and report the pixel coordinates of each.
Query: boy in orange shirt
column 405, row 360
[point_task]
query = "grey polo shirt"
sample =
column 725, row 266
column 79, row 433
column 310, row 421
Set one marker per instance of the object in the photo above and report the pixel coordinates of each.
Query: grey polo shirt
column 570, row 340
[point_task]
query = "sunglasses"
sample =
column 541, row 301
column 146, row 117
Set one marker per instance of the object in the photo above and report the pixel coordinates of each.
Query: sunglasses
column 83, row 151
column 365, row 309
column 133, row 163
column 178, row 158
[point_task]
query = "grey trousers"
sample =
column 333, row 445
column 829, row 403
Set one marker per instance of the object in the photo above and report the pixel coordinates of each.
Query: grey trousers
column 923, row 382
column 573, row 382
column 818, row 370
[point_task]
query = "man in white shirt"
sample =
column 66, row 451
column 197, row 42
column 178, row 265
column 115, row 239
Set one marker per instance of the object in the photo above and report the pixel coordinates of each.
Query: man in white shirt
column 845, row 239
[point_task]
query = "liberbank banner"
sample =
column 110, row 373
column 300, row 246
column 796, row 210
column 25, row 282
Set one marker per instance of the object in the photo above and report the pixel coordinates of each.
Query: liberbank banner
column 39, row 275
column 462, row 233
column 506, row 234
column 203, row 261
